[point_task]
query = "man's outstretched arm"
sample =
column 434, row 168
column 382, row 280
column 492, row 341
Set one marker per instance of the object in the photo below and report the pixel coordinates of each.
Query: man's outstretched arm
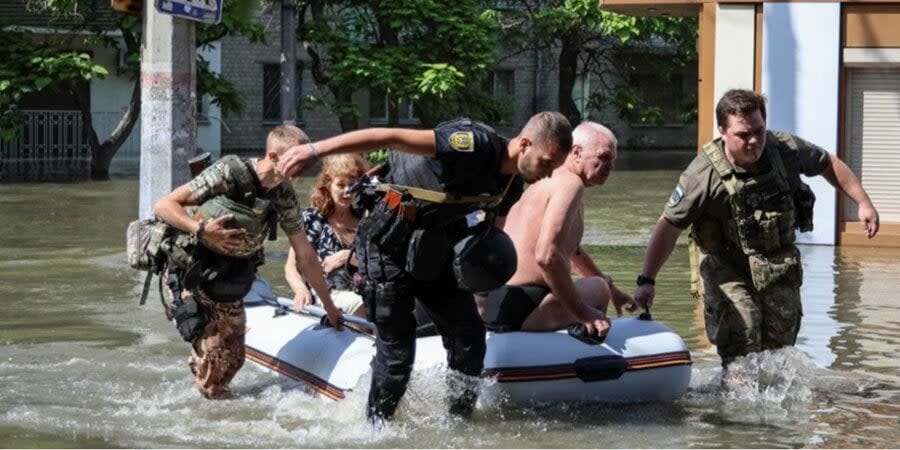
column 843, row 178
column 662, row 242
column 299, row 158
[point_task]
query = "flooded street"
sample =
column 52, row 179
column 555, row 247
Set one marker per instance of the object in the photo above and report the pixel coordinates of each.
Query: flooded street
column 82, row 365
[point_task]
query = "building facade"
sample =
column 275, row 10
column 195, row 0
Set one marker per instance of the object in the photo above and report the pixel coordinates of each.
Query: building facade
column 52, row 145
column 529, row 79
column 831, row 72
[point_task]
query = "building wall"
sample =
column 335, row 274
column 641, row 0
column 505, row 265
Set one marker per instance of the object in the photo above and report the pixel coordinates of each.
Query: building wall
column 110, row 97
column 735, row 47
column 801, row 62
column 536, row 89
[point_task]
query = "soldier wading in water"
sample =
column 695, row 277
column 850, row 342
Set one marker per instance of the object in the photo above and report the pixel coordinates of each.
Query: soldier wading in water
column 743, row 198
column 416, row 243
column 239, row 203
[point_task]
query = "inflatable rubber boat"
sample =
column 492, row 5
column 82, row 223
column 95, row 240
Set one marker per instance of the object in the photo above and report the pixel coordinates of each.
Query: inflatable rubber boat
column 639, row 361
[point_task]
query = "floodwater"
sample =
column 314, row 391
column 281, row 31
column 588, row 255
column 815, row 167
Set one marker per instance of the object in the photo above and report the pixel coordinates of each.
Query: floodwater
column 82, row 365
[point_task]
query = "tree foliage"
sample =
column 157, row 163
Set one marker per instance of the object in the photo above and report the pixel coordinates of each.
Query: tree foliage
column 422, row 51
column 589, row 40
column 30, row 62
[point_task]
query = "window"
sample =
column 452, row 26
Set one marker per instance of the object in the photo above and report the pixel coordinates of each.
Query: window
column 272, row 93
column 202, row 114
column 501, row 82
column 378, row 109
column 663, row 91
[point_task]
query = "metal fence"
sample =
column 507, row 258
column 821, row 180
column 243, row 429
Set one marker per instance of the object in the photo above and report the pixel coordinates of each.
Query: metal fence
column 49, row 147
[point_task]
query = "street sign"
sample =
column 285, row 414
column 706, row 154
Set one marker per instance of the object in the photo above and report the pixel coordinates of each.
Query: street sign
column 209, row 11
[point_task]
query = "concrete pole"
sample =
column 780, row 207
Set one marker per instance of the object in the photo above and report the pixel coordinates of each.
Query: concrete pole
column 168, row 105
column 288, row 62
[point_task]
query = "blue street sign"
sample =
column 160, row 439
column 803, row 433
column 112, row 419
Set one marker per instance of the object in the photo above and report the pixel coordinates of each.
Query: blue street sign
column 209, row 11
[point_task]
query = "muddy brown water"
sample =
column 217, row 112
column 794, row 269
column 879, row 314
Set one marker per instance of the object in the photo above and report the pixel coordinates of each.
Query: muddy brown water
column 82, row 365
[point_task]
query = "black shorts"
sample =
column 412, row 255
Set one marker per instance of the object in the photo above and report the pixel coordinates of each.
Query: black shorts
column 507, row 307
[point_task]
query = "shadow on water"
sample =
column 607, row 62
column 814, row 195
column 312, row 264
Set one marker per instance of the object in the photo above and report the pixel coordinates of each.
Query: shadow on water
column 82, row 366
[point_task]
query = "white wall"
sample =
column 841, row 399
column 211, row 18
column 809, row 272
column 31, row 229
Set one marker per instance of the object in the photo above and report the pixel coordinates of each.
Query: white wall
column 801, row 48
column 110, row 97
column 735, row 41
column 209, row 135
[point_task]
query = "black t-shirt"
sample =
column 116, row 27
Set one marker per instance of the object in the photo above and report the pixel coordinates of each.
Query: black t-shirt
column 467, row 162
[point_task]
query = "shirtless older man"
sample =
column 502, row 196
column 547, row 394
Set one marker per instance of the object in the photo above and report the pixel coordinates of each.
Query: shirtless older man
column 541, row 295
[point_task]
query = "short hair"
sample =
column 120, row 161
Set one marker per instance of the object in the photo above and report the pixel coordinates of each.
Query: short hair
column 284, row 137
column 549, row 128
column 585, row 134
column 741, row 103
column 348, row 165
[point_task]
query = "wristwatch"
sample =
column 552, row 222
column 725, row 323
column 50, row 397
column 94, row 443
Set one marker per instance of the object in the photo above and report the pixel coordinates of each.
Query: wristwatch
column 642, row 280
column 609, row 279
column 201, row 226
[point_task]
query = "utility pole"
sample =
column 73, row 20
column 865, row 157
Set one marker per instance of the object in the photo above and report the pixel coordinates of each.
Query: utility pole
column 288, row 62
column 168, row 105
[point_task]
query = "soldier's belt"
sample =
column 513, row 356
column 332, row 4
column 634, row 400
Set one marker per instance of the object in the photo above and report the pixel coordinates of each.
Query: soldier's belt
column 437, row 196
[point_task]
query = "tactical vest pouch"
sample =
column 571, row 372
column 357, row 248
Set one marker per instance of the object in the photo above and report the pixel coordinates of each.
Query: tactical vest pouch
column 254, row 220
column 387, row 229
column 780, row 266
column 426, row 255
column 190, row 317
column 770, row 230
column 804, row 202
column 179, row 250
column 142, row 242
column 707, row 235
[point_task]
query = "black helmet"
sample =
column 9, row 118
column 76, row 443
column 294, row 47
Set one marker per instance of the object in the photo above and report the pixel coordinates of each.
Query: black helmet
column 485, row 260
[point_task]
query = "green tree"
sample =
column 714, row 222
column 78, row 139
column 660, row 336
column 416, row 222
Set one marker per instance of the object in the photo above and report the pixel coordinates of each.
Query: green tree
column 429, row 52
column 590, row 40
column 31, row 62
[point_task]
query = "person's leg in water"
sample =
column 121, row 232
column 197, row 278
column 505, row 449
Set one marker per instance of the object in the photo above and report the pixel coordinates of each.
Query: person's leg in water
column 457, row 320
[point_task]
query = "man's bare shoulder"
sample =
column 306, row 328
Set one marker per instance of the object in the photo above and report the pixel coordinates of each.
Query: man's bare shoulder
column 564, row 184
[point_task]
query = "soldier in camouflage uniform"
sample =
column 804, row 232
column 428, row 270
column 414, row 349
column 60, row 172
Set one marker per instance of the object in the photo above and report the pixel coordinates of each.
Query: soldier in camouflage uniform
column 743, row 198
column 234, row 253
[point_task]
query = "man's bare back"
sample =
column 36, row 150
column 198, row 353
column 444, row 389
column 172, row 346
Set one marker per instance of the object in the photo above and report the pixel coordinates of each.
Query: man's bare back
column 546, row 227
column 525, row 217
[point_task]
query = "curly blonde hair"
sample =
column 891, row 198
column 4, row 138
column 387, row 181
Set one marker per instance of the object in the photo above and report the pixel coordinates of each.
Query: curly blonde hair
column 348, row 165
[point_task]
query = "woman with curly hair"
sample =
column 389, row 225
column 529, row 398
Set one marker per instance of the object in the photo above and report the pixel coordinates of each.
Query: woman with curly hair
column 330, row 225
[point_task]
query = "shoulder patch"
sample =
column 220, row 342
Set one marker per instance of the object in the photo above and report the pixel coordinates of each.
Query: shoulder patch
column 463, row 141
column 676, row 197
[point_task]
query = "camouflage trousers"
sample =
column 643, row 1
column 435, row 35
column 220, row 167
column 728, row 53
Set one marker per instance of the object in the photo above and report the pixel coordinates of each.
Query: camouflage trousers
column 218, row 352
column 739, row 318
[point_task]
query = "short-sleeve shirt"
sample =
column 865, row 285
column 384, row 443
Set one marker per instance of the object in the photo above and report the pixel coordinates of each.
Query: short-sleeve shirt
column 701, row 195
column 218, row 179
column 466, row 162
column 325, row 242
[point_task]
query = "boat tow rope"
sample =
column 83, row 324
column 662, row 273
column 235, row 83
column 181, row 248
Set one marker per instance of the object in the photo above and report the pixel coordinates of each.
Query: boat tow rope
column 282, row 307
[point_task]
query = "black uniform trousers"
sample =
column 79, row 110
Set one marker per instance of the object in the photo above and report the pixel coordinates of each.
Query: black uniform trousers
column 390, row 298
